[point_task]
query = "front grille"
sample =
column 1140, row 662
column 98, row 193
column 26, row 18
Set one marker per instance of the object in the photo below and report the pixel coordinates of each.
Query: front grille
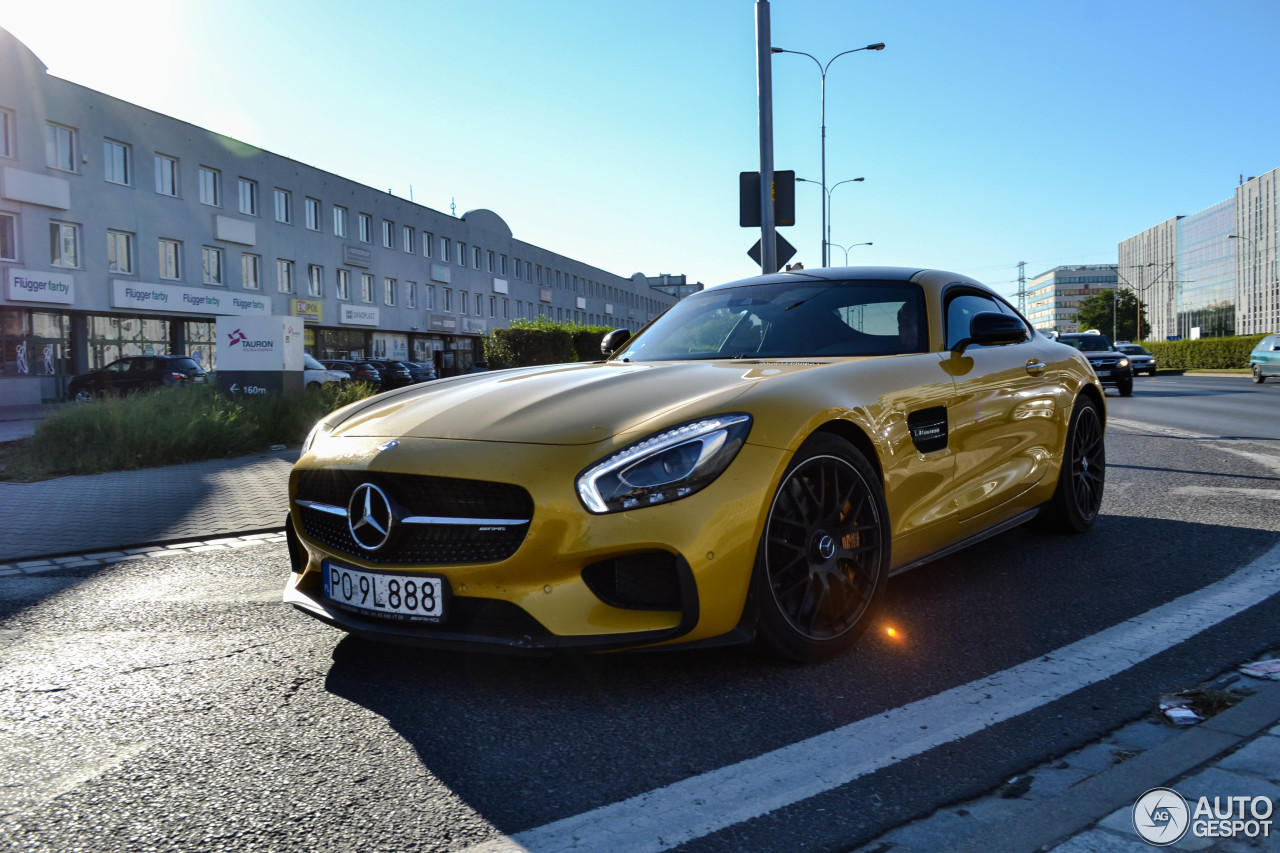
column 469, row 502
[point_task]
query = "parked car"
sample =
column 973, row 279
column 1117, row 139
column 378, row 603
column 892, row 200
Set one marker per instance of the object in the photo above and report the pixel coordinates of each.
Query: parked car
column 421, row 371
column 394, row 374
column 1111, row 365
column 359, row 371
column 756, row 463
column 136, row 373
column 1140, row 361
column 1264, row 361
column 316, row 374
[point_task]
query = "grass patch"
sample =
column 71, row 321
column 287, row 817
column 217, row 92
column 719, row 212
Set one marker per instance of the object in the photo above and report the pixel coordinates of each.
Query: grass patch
column 166, row 427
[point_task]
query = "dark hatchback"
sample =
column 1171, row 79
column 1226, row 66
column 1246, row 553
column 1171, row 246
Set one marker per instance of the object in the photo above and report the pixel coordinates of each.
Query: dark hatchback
column 359, row 371
column 136, row 373
column 395, row 374
column 1111, row 365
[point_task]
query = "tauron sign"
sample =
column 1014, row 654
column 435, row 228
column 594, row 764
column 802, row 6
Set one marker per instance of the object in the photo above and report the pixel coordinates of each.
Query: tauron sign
column 239, row 338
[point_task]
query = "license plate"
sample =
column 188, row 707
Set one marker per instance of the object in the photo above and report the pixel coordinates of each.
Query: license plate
column 1102, row 373
column 416, row 598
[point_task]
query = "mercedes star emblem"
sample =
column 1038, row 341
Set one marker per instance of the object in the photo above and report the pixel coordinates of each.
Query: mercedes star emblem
column 369, row 517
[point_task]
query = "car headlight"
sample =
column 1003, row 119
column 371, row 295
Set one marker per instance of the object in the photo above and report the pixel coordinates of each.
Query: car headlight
column 317, row 431
column 1124, row 362
column 664, row 467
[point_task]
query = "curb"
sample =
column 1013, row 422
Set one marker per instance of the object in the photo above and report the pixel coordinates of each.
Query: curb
column 1037, row 824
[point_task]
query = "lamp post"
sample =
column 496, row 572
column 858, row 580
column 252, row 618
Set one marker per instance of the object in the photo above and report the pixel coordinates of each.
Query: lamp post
column 827, row 217
column 822, row 69
column 846, row 249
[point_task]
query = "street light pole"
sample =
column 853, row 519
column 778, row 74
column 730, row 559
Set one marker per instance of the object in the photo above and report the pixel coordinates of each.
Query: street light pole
column 846, row 249
column 827, row 210
column 822, row 70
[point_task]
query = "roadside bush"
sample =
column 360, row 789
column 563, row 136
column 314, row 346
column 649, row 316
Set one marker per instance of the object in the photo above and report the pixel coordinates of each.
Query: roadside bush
column 168, row 427
column 542, row 341
column 1204, row 353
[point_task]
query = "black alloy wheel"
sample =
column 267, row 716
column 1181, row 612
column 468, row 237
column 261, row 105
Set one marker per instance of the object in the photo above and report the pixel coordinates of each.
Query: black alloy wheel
column 824, row 558
column 1078, row 499
column 1125, row 387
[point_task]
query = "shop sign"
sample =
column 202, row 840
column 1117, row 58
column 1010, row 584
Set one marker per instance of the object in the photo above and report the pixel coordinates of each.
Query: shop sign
column 186, row 300
column 357, row 316
column 259, row 343
column 499, row 285
column 356, row 256
column 544, row 294
column 472, row 327
column 440, row 273
column 309, row 337
column 32, row 286
column 311, row 310
column 394, row 347
column 443, row 324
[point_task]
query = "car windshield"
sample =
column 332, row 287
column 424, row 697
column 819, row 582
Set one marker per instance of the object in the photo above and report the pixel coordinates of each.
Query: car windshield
column 1132, row 349
column 1088, row 343
column 311, row 362
column 789, row 319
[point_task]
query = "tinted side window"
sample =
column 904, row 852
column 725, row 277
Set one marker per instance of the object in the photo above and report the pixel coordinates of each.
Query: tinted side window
column 960, row 311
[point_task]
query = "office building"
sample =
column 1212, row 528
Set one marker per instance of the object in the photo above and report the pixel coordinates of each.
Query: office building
column 1054, row 297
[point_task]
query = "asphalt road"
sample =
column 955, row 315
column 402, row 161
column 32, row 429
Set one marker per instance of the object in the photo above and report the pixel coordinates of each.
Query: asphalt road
column 166, row 704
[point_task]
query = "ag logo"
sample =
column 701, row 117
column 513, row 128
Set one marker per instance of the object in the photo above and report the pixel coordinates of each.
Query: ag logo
column 1161, row 817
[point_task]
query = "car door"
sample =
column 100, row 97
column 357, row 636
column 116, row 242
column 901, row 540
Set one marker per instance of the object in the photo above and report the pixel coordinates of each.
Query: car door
column 1005, row 427
column 112, row 378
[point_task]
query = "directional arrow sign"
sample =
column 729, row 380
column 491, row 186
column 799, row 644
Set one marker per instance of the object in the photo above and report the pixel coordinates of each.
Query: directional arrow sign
column 235, row 387
column 786, row 251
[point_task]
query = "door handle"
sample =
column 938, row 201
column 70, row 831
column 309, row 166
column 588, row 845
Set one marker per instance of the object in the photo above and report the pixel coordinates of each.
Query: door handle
column 1035, row 368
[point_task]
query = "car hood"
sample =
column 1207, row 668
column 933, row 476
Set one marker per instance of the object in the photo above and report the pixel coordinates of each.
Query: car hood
column 559, row 404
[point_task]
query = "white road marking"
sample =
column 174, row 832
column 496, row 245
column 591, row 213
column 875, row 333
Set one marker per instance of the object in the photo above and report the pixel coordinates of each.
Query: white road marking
column 692, row 808
column 1234, row 491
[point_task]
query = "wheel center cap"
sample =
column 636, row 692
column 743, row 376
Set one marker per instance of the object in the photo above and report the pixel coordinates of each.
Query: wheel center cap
column 826, row 546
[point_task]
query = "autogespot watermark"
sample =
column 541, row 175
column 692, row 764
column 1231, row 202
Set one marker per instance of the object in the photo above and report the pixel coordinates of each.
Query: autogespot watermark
column 1162, row 817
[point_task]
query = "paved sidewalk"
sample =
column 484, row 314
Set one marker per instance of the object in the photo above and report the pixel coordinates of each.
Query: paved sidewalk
column 129, row 509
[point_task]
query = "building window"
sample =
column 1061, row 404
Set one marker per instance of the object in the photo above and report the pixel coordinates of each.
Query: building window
column 6, row 132
column 411, row 294
column 211, row 259
column 463, row 301
column 8, row 237
column 406, row 239
column 431, row 298
column 119, row 252
column 475, row 259
column 250, row 272
column 389, row 291
column 366, row 228
column 490, row 260
column 426, row 244
column 448, row 300
column 248, row 197
column 344, row 284
column 284, row 275
column 479, row 305
column 461, row 258
column 506, row 306
column 388, row 234
column 313, row 214
column 493, row 306
column 166, row 175
column 170, row 259
column 210, row 186
column 60, row 147
column 444, row 249
column 339, row 221
column 517, row 268
column 116, row 162
column 366, row 287
column 284, row 206
column 64, row 244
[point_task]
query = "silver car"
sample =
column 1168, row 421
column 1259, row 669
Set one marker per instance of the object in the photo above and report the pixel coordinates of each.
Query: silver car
column 1142, row 361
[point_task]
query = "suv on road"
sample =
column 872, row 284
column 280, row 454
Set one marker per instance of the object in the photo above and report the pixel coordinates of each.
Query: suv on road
column 136, row 373
column 1111, row 365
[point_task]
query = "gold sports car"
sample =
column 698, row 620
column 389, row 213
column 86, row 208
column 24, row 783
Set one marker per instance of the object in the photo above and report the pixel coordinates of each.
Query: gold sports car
column 755, row 463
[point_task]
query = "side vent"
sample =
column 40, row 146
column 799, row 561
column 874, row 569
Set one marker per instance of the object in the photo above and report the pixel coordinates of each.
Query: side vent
column 928, row 428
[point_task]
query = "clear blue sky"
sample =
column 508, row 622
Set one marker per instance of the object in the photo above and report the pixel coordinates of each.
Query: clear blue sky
column 988, row 132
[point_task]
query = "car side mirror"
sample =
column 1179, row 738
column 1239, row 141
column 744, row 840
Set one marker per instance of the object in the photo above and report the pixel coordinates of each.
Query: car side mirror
column 611, row 341
column 991, row 328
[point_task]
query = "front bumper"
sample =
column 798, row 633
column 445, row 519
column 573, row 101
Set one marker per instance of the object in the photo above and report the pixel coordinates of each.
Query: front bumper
column 541, row 598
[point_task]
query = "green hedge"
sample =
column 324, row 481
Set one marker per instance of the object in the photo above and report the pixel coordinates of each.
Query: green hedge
column 542, row 341
column 1204, row 353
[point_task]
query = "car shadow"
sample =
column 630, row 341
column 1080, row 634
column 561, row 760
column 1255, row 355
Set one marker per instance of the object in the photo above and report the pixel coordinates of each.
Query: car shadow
column 527, row 741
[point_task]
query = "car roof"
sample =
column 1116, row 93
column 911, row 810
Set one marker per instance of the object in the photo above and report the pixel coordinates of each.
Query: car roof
column 929, row 278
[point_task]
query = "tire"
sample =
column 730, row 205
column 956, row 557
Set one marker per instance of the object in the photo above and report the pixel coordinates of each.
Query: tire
column 1125, row 387
column 1257, row 374
column 1151, row 372
column 1078, row 498
column 823, row 560
column 84, row 395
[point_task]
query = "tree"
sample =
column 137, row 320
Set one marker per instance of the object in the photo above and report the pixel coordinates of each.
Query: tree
column 1098, row 312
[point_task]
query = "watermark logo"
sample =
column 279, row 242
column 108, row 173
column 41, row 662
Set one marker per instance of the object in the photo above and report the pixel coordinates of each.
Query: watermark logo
column 1161, row 817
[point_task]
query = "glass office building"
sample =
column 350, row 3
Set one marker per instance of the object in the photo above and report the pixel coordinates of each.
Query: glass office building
column 1205, row 288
